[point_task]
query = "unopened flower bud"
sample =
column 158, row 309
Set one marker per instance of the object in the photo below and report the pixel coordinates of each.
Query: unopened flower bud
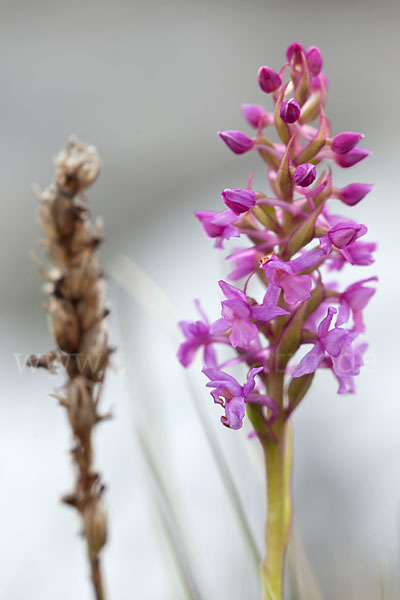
column 305, row 174
column 344, row 142
column 236, row 141
column 268, row 80
column 314, row 60
column 289, row 110
column 293, row 53
column 345, row 233
column 239, row 201
column 65, row 324
column 95, row 526
column 353, row 193
column 81, row 407
column 255, row 115
column 351, row 158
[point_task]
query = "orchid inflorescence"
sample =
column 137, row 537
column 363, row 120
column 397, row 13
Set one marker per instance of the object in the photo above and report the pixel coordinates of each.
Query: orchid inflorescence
column 295, row 241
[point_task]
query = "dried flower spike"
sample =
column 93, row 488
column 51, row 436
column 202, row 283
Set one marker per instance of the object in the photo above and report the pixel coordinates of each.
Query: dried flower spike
column 77, row 312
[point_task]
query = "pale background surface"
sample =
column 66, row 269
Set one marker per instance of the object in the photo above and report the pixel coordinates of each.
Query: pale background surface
column 150, row 83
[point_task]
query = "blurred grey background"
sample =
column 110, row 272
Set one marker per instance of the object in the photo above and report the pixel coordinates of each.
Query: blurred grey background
column 150, row 83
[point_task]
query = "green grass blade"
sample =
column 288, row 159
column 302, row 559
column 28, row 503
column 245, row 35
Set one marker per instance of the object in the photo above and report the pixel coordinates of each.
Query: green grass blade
column 226, row 475
column 170, row 522
column 303, row 582
column 153, row 300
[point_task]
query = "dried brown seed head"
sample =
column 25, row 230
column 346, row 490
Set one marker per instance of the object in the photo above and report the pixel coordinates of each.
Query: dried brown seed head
column 95, row 525
column 62, row 213
column 65, row 324
column 94, row 352
column 81, row 407
column 77, row 166
column 80, row 277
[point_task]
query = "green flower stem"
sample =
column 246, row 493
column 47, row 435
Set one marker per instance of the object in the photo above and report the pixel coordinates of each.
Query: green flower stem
column 278, row 465
column 278, row 457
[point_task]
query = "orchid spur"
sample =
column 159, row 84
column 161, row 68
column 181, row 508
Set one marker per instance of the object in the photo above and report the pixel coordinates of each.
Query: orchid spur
column 295, row 240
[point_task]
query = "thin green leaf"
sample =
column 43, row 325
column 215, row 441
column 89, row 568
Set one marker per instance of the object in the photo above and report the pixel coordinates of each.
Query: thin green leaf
column 383, row 579
column 154, row 301
column 226, row 477
column 302, row 576
column 146, row 293
column 170, row 522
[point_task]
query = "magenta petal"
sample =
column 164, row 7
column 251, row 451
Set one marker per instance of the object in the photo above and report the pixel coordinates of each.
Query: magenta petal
column 354, row 193
column 305, row 174
column 325, row 244
column 334, row 340
column 296, row 288
column 255, row 115
column 314, row 61
column 235, row 308
column 310, row 362
column 216, row 375
column 250, row 383
column 294, row 52
column 346, row 385
column 357, row 295
column 268, row 80
column 275, row 268
column 323, row 327
column 272, row 294
column 234, row 413
column 342, row 235
column 210, row 357
column 239, row 201
column 289, row 110
column 351, row 158
column 231, row 292
column 243, row 333
column 226, row 217
column 320, row 82
column 267, row 312
column 186, row 352
column 218, row 225
column 360, row 253
column 196, row 334
column 307, row 260
column 219, row 326
column 201, row 312
column 343, row 314
column 267, row 401
column 223, row 382
column 236, row 141
column 244, row 261
column 344, row 142
column 358, row 299
column 349, row 360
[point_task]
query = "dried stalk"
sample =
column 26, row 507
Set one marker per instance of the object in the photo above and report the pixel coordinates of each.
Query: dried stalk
column 77, row 313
